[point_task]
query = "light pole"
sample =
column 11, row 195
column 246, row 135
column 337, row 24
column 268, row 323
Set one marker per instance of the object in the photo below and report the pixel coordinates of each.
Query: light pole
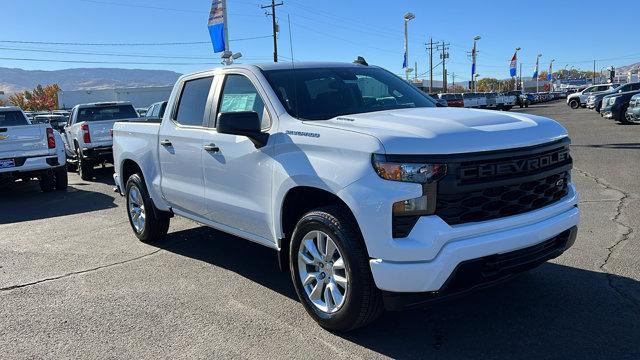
column 474, row 52
column 407, row 17
column 515, row 80
column 550, row 75
column 538, row 69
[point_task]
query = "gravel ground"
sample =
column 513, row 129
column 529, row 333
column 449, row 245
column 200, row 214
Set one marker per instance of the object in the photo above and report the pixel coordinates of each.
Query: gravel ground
column 75, row 283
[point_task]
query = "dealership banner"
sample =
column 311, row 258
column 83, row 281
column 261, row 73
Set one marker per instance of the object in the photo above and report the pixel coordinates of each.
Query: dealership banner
column 217, row 25
column 513, row 64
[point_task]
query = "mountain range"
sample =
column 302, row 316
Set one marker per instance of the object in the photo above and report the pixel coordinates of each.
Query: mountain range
column 12, row 80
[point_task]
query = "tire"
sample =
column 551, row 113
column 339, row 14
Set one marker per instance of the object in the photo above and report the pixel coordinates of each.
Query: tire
column 85, row 167
column 598, row 106
column 47, row 182
column 155, row 224
column 623, row 116
column 574, row 103
column 362, row 301
column 526, row 105
column 72, row 166
column 62, row 178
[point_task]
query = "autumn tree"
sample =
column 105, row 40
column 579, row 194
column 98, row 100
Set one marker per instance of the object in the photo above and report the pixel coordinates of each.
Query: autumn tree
column 488, row 84
column 42, row 98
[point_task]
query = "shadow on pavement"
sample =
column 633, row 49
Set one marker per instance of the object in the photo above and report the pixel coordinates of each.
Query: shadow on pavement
column 24, row 201
column 554, row 311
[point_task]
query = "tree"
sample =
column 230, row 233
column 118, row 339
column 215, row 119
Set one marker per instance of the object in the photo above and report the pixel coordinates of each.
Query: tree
column 456, row 89
column 42, row 98
column 2, row 103
column 488, row 84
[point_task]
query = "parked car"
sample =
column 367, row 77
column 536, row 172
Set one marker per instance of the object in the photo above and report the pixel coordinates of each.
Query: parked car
column 440, row 102
column 595, row 101
column 579, row 99
column 88, row 134
column 521, row 99
column 472, row 100
column 492, row 100
column 57, row 121
column 30, row 151
column 453, row 100
column 340, row 184
column 506, row 101
column 615, row 106
column 633, row 111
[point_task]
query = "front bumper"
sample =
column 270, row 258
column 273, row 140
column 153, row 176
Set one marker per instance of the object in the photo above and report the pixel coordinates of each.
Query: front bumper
column 472, row 275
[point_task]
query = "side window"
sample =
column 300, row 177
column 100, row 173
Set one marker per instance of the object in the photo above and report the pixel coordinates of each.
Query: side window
column 193, row 101
column 635, row 86
column 239, row 94
column 155, row 110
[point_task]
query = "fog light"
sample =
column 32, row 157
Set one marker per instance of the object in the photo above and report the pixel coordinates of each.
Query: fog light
column 417, row 206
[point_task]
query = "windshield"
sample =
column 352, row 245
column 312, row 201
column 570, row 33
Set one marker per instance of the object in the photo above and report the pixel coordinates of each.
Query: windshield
column 12, row 118
column 110, row 112
column 324, row 93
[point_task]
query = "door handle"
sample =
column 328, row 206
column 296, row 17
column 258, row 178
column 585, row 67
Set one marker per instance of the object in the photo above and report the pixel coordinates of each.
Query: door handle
column 165, row 142
column 211, row 148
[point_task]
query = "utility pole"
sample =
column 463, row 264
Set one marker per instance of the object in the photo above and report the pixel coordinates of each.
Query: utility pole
column 415, row 72
column 275, row 26
column 453, row 79
column 594, row 72
column 430, row 48
column 444, row 55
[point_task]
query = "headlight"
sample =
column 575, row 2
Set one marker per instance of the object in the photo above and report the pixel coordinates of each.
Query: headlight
column 426, row 174
column 421, row 173
column 613, row 100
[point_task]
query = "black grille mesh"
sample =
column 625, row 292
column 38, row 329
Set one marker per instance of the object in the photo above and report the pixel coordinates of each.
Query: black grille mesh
column 500, row 201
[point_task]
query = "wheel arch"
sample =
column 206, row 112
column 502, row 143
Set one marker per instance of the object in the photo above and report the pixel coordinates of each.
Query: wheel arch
column 297, row 201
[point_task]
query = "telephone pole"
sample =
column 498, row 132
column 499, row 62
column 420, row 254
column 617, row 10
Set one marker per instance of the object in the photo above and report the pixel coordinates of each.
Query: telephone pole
column 453, row 79
column 430, row 48
column 275, row 26
column 444, row 55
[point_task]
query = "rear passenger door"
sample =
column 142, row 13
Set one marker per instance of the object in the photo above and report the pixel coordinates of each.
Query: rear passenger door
column 180, row 146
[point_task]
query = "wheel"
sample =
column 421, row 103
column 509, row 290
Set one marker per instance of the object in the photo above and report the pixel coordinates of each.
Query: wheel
column 330, row 271
column 47, row 182
column 574, row 103
column 85, row 167
column 598, row 106
column 623, row 116
column 526, row 105
column 62, row 178
column 72, row 166
column 148, row 223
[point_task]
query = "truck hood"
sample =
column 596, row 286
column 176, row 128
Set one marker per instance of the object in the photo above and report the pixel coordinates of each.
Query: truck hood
column 449, row 130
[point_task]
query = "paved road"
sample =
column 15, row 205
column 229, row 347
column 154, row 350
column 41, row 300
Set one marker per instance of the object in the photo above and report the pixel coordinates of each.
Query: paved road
column 75, row 283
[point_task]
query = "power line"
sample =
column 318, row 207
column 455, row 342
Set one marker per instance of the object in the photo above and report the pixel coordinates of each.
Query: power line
column 158, row 56
column 275, row 26
column 149, row 7
column 213, row 62
column 125, row 44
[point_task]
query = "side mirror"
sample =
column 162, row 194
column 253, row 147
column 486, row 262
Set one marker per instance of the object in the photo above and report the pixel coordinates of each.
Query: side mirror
column 243, row 123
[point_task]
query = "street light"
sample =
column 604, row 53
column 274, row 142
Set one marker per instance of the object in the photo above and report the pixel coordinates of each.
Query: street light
column 473, row 61
column 407, row 17
column 550, row 75
column 537, row 69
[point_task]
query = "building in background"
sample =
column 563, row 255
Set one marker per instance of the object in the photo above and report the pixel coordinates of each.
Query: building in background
column 140, row 97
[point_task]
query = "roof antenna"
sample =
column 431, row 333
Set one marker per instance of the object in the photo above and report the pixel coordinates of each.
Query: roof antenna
column 293, row 69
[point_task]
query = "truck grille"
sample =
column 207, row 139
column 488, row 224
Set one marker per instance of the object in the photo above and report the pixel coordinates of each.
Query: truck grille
column 485, row 186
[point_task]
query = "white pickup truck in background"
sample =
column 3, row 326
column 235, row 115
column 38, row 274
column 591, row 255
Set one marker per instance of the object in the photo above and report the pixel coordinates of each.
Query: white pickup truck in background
column 30, row 151
column 372, row 197
column 88, row 134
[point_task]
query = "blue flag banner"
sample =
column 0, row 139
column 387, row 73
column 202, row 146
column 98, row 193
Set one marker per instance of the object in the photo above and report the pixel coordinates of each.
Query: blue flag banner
column 535, row 73
column 513, row 64
column 550, row 73
column 216, row 25
column 404, row 61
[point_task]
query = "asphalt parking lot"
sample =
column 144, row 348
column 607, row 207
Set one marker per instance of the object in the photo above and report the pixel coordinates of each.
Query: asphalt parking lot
column 75, row 282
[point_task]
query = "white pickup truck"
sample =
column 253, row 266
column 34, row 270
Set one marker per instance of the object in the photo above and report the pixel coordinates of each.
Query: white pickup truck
column 88, row 134
column 372, row 197
column 30, row 151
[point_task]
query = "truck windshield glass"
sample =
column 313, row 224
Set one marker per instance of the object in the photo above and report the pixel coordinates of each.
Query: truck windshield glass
column 324, row 93
column 111, row 112
column 12, row 118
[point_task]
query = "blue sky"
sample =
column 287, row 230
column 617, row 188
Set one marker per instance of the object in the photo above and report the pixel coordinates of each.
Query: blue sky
column 328, row 30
